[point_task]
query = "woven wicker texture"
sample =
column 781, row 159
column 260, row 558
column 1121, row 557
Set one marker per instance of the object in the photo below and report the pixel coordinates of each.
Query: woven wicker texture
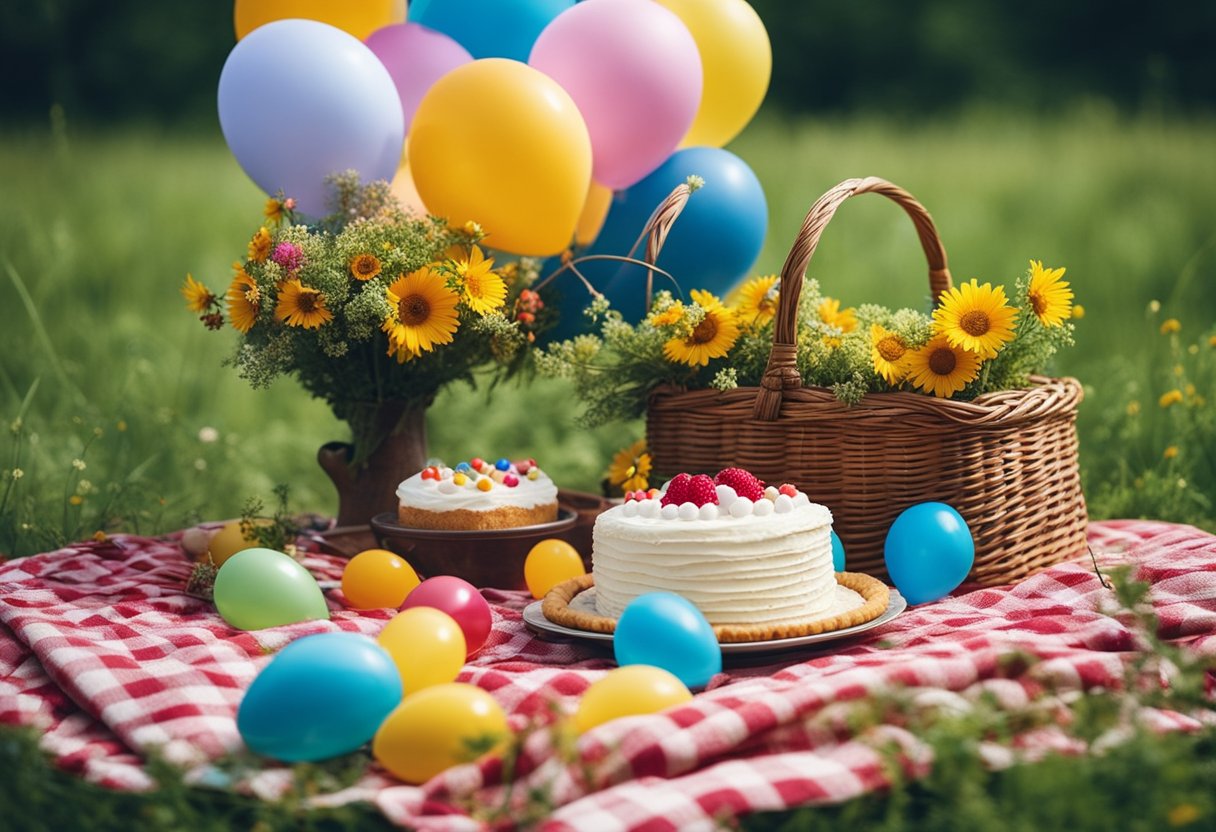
column 1007, row 461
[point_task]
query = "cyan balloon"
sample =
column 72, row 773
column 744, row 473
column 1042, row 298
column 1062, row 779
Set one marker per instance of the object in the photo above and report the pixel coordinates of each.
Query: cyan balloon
column 666, row 630
column 712, row 245
column 929, row 551
column 300, row 100
column 837, row 552
column 259, row 588
column 321, row 696
column 490, row 28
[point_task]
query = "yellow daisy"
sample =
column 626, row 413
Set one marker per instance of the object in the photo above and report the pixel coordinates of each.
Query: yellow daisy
column 198, row 297
column 711, row 338
column 630, row 467
column 889, row 353
column 756, row 300
column 423, row 313
column 1049, row 296
column 831, row 314
column 483, row 290
column 259, row 246
column 301, row 306
column 942, row 368
column 244, row 301
column 364, row 266
column 976, row 318
column 668, row 317
column 274, row 210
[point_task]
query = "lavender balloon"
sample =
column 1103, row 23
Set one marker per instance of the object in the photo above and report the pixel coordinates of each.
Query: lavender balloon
column 634, row 71
column 416, row 57
column 300, row 100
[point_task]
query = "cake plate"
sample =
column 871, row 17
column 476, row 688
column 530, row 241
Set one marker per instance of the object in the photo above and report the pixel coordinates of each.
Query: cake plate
column 537, row 623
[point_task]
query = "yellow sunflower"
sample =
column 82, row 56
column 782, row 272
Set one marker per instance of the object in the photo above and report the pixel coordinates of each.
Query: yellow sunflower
column 711, row 338
column 630, row 467
column 244, row 301
column 756, row 300
column 259, row 246
column 831, row 314
column 198, row 297
column 889, row 352
column 301, row 306
column 423, row 313
column 273, row 210
column 941, row 368
column 976, row 318
column 668, row 317
column 364, row 266
column 483, row 290
column 1049, row 296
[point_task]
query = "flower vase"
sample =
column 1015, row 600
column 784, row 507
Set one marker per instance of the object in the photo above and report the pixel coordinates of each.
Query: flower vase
column 389, row 445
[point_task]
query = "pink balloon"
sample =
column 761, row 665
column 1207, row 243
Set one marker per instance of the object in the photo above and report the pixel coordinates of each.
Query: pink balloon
column 459, row 599
column 416, row 57
column 634, row 71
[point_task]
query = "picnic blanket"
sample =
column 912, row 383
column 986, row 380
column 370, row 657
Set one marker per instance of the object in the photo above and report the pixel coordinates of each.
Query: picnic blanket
column 104, row 653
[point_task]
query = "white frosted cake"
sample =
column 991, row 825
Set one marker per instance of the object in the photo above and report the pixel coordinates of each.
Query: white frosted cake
column 478, row 495
column 743, row 553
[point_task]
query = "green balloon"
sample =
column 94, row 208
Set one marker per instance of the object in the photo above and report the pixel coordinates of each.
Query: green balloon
column 259, row 588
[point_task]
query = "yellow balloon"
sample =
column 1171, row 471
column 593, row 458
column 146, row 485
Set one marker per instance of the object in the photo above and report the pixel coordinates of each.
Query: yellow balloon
column 437, row 728
column 229, row 540
column 500, row 143
column 736, row 63
column 406, row 191
column 550, row 563
column 377, row 578
column 595, row 211
column 359, row 17
column 629, row 691
column 426, row 644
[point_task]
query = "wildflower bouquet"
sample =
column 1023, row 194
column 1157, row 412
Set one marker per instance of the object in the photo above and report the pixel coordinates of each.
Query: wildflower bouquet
column 977, row 340
column 370, row 306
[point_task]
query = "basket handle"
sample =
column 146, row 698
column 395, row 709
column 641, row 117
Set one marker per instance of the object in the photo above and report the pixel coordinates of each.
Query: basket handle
column 781, row 374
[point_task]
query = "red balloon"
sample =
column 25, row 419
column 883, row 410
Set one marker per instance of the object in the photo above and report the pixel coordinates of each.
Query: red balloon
column 459, row 599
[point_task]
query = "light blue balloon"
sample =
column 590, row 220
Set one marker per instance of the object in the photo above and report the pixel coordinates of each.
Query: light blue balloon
column 300, row 100
column 321, row 696
column 837, row 552
column 665, row 630
column 490, row 28
column 929, row 551
column 712, row 245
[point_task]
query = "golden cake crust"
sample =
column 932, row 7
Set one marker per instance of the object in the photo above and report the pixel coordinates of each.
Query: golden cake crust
column 462, row 519
column 876, row 595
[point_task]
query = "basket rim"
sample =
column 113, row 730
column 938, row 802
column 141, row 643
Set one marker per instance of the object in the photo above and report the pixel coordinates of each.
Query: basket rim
column 1046, row 396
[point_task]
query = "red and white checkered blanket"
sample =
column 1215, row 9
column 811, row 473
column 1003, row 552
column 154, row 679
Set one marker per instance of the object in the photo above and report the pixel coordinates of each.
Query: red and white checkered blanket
column 105, row 654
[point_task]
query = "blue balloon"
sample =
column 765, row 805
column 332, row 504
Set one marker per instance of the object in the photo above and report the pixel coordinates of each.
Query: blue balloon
column 321, row 696
column 300, row 100
column 665, row 630
column 929, row 551
column 490, row 28
column 837, row 552
column 712, row 245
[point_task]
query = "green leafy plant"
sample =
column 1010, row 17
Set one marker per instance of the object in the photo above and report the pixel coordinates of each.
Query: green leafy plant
column 975, row 342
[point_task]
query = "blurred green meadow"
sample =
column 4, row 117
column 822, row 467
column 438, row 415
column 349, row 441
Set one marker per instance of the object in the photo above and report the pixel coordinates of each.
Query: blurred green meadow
column 119, row 414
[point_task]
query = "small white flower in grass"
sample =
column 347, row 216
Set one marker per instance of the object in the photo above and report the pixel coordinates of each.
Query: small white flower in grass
column 200, row 464
column 17, row 474
column 208, row 434
column 78, row 464
column 1181, row 482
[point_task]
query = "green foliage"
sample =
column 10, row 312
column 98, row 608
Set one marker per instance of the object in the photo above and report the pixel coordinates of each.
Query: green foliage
column 615, row 372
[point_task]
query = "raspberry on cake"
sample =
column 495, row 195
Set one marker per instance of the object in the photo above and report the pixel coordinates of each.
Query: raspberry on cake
column 743, row 553
column 478, row 494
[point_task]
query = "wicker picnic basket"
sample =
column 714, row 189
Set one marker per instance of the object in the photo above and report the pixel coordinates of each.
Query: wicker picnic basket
column 1007, row 461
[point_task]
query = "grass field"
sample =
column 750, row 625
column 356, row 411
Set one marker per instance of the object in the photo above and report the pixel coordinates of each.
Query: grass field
column 113, row 379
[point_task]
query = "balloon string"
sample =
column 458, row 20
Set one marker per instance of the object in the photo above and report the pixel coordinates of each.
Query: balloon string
column 572, row 266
